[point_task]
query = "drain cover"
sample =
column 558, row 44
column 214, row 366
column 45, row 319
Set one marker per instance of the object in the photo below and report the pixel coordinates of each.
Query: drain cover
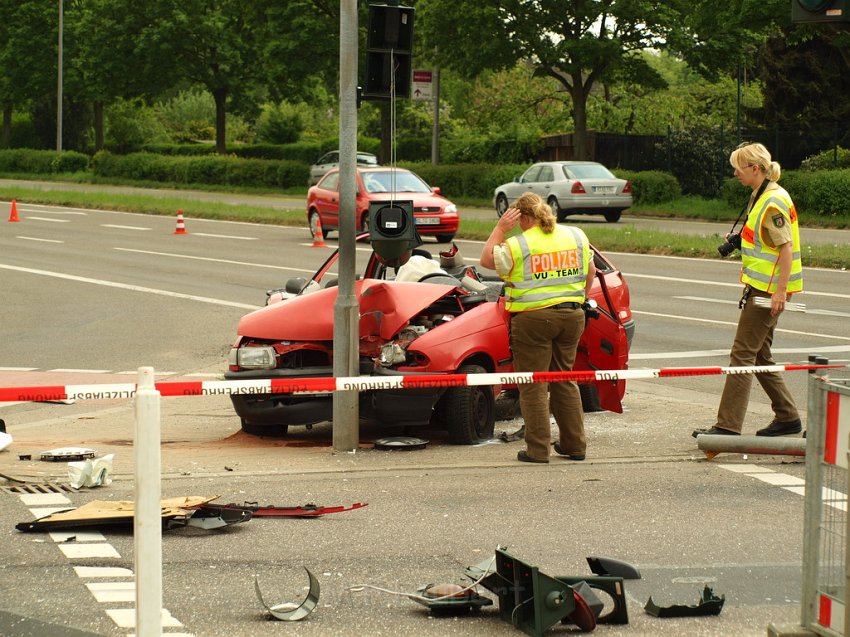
column 400, row 443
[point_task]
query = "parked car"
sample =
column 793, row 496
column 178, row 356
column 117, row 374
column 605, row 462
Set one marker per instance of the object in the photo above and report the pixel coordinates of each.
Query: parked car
column 569, row 187
column 433, row 214
column 450, row 320
column 331, row 160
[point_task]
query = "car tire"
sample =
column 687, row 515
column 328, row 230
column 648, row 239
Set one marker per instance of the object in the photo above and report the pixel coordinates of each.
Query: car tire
column 444, row 238
column 613, row 216
column 560, row 213
column 589, row 398
column 268, row 431
column 501, row 204
column 470, row 412
column 314, row 221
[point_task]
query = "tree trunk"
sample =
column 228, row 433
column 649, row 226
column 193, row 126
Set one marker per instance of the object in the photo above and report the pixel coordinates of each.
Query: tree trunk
column 7, row 126
column 220, row 95
column 580, row 119
column 98, row 126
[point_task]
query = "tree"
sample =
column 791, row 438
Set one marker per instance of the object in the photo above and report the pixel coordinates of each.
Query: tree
column 581, row 43
column 211, row 43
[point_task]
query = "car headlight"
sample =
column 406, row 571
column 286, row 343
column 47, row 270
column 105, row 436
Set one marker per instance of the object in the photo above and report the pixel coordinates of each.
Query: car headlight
column 263, row 357
column 450, row 209
column 391, row 354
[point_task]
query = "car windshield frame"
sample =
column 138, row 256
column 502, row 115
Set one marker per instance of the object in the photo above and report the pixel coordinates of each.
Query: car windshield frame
column 394, row 180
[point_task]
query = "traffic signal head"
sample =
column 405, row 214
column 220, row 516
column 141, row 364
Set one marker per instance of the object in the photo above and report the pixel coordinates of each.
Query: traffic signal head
column 389, row 47
column 392, row 231
column 809, row 11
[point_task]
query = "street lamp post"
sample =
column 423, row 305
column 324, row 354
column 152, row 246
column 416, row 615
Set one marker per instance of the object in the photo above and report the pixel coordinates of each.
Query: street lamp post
column 59, row 84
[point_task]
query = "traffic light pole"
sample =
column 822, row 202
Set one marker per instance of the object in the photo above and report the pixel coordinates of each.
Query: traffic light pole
column 346, row 412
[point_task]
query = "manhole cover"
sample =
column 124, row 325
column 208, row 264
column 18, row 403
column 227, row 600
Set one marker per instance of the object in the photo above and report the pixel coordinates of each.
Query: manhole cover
column 400, row 443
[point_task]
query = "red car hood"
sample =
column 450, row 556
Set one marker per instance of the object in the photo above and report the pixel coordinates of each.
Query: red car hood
column 385, row 307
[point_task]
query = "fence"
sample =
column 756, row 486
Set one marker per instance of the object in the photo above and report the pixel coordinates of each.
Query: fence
column 824, row 608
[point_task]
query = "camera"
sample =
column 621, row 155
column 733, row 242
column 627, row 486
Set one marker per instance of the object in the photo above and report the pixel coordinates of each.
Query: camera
column 730, row 245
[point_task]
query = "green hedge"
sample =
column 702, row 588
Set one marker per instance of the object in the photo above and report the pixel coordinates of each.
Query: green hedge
column 23, row 160
column 651, row 186
column 215, row 170
column 465, row 180
column 305, row 152
column 823, row 193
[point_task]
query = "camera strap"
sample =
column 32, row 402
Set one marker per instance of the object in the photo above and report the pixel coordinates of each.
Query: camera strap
column 744, row 297
column 750, row 203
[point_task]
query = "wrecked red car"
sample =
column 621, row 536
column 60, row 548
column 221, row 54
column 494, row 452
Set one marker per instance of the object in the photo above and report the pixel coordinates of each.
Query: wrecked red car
column 425, row 320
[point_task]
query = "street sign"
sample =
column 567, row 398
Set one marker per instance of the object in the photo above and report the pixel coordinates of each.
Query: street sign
column 422, row 84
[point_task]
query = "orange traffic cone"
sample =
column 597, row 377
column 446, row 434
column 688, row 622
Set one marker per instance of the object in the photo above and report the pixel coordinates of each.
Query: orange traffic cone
column 13, row 215
column 181, row 225
column 318, row 236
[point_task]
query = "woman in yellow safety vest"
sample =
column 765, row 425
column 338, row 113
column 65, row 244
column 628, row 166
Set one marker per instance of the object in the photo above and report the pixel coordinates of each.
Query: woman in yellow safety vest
column 770, row 269
column 548, row 270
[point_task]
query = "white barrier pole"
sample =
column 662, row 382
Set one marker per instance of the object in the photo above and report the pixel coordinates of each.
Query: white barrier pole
column 147, row 521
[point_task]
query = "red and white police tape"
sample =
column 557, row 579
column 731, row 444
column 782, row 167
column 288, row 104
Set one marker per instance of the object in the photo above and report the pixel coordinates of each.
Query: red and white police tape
column 364, row 383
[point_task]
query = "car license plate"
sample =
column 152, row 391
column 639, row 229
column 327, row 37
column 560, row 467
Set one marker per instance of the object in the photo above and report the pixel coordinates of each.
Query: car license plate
column 427, row 221
column 605, row 190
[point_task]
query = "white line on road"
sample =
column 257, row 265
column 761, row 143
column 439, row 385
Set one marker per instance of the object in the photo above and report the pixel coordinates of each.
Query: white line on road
column 704, row 320
column 39, row 239
column 728, row 285
column 223, row 236
column 728, row 302
column 132, row 288
column 113, row 225
column 705, row 353
column 186, row 256
column 48, row 219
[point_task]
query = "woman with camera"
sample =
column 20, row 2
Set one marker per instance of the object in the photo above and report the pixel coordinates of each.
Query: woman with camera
column 771, row 269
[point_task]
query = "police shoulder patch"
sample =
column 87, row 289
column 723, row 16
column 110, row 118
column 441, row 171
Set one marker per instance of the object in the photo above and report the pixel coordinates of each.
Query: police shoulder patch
column 778, row 220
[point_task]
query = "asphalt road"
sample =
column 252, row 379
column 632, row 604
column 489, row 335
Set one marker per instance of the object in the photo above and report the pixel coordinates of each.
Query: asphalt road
column 90, row 296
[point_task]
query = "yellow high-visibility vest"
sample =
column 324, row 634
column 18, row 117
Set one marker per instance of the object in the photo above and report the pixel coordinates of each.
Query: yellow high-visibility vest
column 547, row 268
column 759, row 261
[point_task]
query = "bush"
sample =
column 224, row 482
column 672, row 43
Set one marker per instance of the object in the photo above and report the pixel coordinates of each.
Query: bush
column 130, row 124
column 699, row 162
column 304, row 152
column 827, row 160
column 280, row 123
column 23, row 160
column 651, row 186
column 824, row 193
column 215, row 169
column 465, row 180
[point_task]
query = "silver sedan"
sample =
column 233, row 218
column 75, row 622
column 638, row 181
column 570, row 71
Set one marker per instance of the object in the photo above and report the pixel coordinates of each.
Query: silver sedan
column 569, row 187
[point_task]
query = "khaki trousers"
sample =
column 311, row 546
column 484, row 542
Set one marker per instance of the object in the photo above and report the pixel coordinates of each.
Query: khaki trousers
column 752, row 347
column 546, row 340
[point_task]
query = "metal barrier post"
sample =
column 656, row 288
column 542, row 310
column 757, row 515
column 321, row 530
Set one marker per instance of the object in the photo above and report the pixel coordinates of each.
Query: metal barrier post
column 814, row 488
column 147, row 520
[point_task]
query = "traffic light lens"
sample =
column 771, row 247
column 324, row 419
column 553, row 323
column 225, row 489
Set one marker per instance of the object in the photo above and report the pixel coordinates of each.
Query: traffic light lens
column 814, row 5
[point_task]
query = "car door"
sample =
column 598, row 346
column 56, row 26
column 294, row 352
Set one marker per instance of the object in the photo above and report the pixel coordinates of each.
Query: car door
column 543, row 185
column 327, row 200
column 523, row 183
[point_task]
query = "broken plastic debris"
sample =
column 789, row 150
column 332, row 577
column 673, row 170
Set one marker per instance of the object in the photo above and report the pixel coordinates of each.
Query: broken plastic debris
column 709, row 604
column 288, row 611
column 91, row 472
column 65, row 454
column 5, row 439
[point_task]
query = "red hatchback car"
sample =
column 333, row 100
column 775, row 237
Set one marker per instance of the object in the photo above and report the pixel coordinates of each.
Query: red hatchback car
column 433, row 214
column 445, row 322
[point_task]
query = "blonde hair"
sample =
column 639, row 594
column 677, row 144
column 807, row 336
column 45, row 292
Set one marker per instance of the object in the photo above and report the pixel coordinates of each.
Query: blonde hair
column 755, row 155
column 531, row 205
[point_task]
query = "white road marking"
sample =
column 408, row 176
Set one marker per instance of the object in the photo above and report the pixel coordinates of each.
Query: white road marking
column 42, row 499
column 656, row 277
column 102, row 571
column 702, row 353
column 48, row 219
column 39, row 239
column 79, row 535
column 109, row 592
column 115, row 225
column 792, row 484
column 187, row 256
column 704, row 320
column 132, row 288
column 223, row 236
column 18, row 369
column 730, row 302
column 73, row 371
column 83, row 551
column 126, row 618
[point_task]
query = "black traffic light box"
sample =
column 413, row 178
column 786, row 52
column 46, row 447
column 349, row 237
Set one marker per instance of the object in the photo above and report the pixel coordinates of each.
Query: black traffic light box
column 389, row 49
column 809, row 11
column 392, row 230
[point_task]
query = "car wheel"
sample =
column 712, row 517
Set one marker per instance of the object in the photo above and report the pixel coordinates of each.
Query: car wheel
column 315, row 224
column 444, row 238
column 560, row 213
column 470, row 412
column 501, row 204
column 613, row 216
column 589, row 398
column 269, row 431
